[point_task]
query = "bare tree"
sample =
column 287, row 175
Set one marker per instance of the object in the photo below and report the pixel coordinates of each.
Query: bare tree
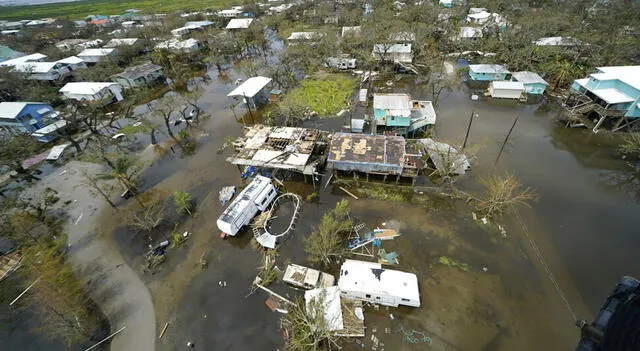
column 501, row 194
column 149, row 211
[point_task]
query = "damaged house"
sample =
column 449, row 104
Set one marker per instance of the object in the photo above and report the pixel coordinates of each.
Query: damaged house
column 399, row 114
column 298, row 150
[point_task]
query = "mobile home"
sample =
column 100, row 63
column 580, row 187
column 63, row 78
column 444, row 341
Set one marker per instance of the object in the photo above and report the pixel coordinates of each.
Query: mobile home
column 506, row 90
column 257, row 196
column 368, row 281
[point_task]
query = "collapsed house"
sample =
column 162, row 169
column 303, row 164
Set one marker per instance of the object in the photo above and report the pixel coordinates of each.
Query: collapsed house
column 298, row 150
column 341, row 317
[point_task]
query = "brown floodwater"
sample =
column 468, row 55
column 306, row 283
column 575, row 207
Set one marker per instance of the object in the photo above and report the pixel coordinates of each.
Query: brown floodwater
column 583, row 225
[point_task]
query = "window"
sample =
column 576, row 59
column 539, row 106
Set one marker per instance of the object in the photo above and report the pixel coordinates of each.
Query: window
column 405, row 300
column 368, row 296
column 377, row 297
column 263, row 201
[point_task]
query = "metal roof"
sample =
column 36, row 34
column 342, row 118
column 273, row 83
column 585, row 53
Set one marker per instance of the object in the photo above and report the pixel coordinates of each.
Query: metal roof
column 395, row 104
column 629, row 75
column 488, row 68
column 250, row 87
column 367, row 149
column 85, row 88
column 612, row 96
column 21, row 59
column 239, row 23
column 305, row 36
column 392, row 49
column 371, row 277
column 331, row 306
column 97, row 52
column 120, row 42
column 35, row 67
column 528, row 77
column 10, row 110
column 132, row 73
column 71, row 60
column 507, row 85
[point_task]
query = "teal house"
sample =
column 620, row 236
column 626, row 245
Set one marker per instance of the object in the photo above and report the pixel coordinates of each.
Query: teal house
column 400, row 115
column 488, row 72
column 533, row 83
column 613, row 93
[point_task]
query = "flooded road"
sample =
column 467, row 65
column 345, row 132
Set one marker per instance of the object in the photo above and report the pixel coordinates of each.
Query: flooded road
column 582, row 224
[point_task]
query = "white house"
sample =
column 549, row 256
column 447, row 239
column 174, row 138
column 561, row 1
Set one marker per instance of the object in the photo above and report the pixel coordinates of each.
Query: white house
column 239, row 23
column 114, row 43
column 369, row 281
column 49, row 71
column 97, row 55
column 393, row 52
column 305, row 36
column 70, row 44
column 257, row 196
column 341, row 62
column 557, row 41
column 73, row 62
column 232, row 13
column 355, row 30
column 506, row 90
column 106, row 92
column 253, row 91
column 198, row 24
column 27, row 58
column 472, row 33
column 175, row 45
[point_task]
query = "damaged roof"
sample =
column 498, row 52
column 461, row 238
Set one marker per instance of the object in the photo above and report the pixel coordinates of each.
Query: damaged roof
column 367, row 149
column 133, row 73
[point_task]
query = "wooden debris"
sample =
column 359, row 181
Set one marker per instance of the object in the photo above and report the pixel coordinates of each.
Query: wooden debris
column 348, row 192
column 166, row 325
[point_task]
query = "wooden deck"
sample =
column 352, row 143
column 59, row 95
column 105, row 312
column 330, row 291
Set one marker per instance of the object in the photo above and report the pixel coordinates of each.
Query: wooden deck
column 9, row 263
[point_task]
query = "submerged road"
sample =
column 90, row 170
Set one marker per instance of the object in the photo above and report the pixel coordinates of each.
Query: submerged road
column 113, row 285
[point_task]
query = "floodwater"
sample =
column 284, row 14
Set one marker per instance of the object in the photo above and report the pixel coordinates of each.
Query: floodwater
column 582, row 225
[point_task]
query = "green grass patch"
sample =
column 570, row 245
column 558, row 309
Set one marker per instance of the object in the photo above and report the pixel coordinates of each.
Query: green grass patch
column 130, row 129
column 450, row 262
column 80, row 9
column 326, row 96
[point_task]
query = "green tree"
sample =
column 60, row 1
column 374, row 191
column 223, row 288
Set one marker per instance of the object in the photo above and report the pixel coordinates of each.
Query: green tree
column 183, row 201
column 327, row 243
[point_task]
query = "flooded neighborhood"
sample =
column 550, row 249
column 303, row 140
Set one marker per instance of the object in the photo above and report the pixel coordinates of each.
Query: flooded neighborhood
column 295, row 175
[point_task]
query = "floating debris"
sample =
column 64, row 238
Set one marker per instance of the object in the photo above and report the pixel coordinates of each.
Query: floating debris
column 450, row 262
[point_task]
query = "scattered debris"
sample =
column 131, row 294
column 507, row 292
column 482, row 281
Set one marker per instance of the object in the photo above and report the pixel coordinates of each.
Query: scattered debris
column 348, row 193
column 307, row 278
column 391, row 316
column 276, row 304
column 413, row 336
column 226, row 193
column 485, row 269
column 450, row 262
column 166, row 325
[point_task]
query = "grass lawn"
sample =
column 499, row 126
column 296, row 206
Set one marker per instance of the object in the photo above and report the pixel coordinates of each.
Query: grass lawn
column 80, row 9
column 326, row 95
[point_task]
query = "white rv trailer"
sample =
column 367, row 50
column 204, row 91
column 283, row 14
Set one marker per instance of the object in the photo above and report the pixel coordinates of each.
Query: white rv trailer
column 257, row 196
column 368, row 281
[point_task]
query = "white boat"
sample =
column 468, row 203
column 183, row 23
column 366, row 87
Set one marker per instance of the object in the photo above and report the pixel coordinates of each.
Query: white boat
column 256, row 197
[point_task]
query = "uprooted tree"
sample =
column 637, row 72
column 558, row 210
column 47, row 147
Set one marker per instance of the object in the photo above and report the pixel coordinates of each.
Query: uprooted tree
column 148, row 211
column 501, row 194
column 327, row 243
column 306, row 328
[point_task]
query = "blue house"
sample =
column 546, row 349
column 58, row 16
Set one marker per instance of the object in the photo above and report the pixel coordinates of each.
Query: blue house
column 399, row 114
column 29, row 117
column 488, row 72
column 533, row 83
column 613, row 93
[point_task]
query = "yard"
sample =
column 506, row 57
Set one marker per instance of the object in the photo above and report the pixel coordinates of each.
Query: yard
column 81, row 9
column 326, row 95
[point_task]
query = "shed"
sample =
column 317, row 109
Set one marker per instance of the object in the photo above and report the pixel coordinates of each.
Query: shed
column 488, row 72
column 239, row 23
column 369, row 281
column 533, row 83
column 366, row 153
column 253, row 91
column 354, row 31
column 97, row 55
column 357, row 125
column 506, row 90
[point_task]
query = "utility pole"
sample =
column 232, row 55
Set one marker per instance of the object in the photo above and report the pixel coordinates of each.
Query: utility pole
column 466, row 137
column 506, row 139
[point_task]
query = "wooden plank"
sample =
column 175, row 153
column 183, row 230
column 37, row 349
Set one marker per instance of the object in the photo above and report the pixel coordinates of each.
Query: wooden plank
column 348, row 193
column 166, row 325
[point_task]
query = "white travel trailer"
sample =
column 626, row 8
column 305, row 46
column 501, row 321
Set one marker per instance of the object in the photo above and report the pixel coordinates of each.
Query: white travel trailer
column 368, row 281
column 341, row 63
column 257, row 196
